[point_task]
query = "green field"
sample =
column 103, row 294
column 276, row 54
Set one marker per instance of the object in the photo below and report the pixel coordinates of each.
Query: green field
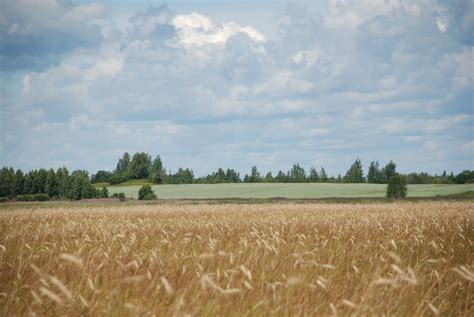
column 298, row 191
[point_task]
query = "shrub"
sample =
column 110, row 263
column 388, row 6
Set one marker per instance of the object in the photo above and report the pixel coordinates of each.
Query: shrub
column 41, row 197
column 397, row 187
column 146, row 193
column 104, row 192
column 3, row 199
column 120, row 196
column 25, row 197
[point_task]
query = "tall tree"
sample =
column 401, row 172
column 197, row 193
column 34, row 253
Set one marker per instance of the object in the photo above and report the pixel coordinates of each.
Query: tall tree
column 62, row 177
column 281, row 177
column 297, row 174
column 375, row 174
column 255, row 176
column 52, row 186
column 313, row 175
column 355, row 174
column 389, row 171
column 18, row 182
column 140, row 166
column 158, row 172
column 322, row 175
column 123, row 163
column 6, row 182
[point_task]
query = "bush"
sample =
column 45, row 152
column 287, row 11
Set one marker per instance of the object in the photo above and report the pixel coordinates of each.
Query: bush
column 120, row 196
column 104, row 192
column 397, row 187
column 146, row 193
column 3, row 199
column 35, row 197
column 41, row 197
column 25, row 197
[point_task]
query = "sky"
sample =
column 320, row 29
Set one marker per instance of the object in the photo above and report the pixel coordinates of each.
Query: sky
column 208, row 84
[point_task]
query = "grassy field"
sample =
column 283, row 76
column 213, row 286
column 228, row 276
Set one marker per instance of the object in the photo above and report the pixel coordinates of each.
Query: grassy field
column 219, row 191
column 405, row 259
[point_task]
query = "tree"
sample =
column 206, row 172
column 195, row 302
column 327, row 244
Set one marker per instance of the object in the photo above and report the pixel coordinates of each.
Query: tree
column 322, row 175
column 389, row 170
column 158, row 172
column 6, row 182
column 182, row 176
column 313, row 176
column 281, row 177
column 18, row 182
column 52, row 186
column 146, row 193
column 140, row 166
column 397, row 187
column 375, row 174
column 123, row 163
column 104, row 192
column 268, row 178
column 355, row 174
column 101, row 177
column 254, row 177
column 64, row 182
column 40, row 181
column 297, row 174
column 231, row 176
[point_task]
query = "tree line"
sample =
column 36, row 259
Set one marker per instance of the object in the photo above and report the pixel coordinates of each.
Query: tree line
column 42, row 184
column 141, row 166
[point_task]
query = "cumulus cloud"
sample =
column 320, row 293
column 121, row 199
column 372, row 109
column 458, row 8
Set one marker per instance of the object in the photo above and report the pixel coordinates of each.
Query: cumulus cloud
column 34, row 33
column 373, row 79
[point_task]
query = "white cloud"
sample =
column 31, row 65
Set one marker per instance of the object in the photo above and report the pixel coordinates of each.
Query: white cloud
column 196, row 29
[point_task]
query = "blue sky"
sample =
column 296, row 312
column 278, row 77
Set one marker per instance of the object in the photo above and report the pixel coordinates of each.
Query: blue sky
column 210, row 84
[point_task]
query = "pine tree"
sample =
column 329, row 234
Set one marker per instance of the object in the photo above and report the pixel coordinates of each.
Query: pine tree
column 52, row 186
column 355, row 174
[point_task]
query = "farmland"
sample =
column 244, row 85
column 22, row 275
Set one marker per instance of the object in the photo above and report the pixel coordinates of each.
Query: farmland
column 402, row 258
column 297, row 191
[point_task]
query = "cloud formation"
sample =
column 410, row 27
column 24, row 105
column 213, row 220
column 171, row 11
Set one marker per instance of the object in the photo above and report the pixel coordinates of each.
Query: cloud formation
column 375, row 79
column 34, row 33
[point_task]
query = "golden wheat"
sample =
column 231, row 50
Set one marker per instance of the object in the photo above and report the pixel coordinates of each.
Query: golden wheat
column 237, row 259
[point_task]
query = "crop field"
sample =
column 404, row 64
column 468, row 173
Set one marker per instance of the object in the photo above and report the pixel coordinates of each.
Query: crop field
column 403, row 258
column 308, row 190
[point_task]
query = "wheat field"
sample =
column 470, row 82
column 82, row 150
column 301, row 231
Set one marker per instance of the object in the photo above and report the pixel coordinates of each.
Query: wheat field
column 403, row 259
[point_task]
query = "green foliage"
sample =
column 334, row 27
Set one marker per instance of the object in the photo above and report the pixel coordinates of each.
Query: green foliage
column 268, row 178
column 104, row 192
column 3, row 199
column 158, row 172
column 322, row 175
column 355, row 174
column 6, row 182
column 18, row 182
column 123, row 164
column 30, row 197
column 140, row 166
column 389, row 171
column 254, row 176
column 375, row 174
column 118, row 179
column 101, row 177
column 313, row 176
column 51, row 187
column 146, row 193
column 281, row 177
column 120, row 196
column 41, row 197
column 297, row 174
column 182, row 176
column 397, row 187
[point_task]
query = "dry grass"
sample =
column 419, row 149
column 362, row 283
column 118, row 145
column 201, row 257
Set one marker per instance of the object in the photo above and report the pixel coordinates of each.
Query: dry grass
column 283, row 259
